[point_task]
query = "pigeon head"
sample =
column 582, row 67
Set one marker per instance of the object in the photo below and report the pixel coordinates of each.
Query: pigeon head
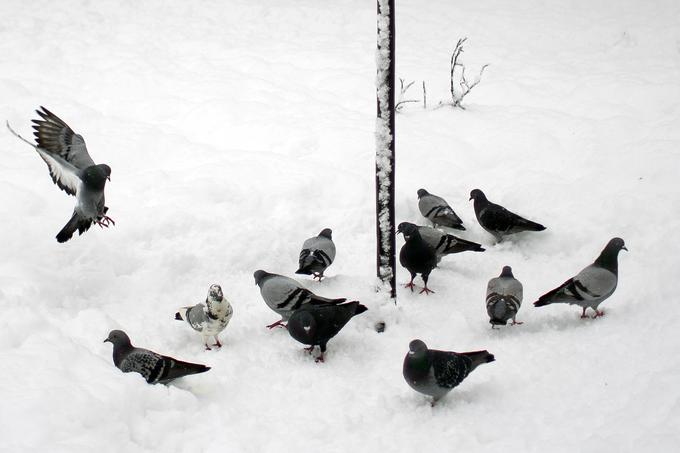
column 422, row 193
column 260, row 275
column 305, row 325
column 118, row 338
column 609, row 256
column 417, row 348
column 407, row 229
column 215, row 292
column 327, row 233
column 477, row 194
column 506, row 272
column 616, row 245
column 95, row 176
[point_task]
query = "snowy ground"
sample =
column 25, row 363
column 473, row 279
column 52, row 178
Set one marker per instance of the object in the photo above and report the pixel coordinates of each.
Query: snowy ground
column 237, row 129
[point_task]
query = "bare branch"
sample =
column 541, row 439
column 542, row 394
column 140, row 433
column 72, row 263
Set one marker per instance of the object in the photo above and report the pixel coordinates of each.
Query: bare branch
column 403, row 88
column 424, row 96
column 462, row 82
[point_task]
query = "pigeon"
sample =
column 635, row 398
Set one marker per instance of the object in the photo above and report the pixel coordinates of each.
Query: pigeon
column 592, row 285
column 499, row 221
column 416, row 255
column 317, row 254
column 442, row 243
column 438, row 211
column 208, row 319
column 315, row 325
column 152, row 366
column 284, row 295
column 435, row 373
column 73, row 171
column 503, row 298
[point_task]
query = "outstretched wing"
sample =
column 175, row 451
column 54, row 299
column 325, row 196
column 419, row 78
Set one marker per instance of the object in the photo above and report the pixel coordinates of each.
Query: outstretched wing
column 56, row 137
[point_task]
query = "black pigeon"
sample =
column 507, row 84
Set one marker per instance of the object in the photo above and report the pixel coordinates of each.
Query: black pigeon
column 442, row 243
column 435, row 373
column 153, row 367
column 438, row 211
column 503, row 298
column 416, row 255
column 315, row 325
column 591, row 286
column 73, row 171
column 499, row 221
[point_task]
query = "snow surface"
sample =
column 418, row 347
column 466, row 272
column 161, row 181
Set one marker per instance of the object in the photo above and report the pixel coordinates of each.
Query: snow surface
column 236, row 129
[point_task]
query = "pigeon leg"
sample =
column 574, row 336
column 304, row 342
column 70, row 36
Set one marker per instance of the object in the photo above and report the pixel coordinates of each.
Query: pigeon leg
column 583, row 315
column 319, row 359
column 598, row 313
column 493, row 326
column 309, row 349
column 207, row 348
column 515, row 322
column 410, row 285
column 217, row 342
column 105, row 221
column 278, row 323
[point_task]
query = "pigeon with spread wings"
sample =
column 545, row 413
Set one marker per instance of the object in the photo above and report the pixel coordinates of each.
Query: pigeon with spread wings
column 73, row 171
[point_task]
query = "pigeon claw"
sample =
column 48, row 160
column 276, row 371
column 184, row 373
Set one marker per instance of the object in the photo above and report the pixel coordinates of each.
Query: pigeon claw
column 309, row 349
column 207, row 348
column 598, row 313
column 319, row 359
column 410, row 285
column 514, row 323
column 426, row 290
column 105, row 221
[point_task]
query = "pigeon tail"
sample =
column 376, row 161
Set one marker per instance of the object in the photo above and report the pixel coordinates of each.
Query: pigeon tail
column 360, row 308
column 531, row 226
column 180, row 369
column 181, row 314
column 75, row 223
column 548, row 298
column 499, row 313
column 479, row 357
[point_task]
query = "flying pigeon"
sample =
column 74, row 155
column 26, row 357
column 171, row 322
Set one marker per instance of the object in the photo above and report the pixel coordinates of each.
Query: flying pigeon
column 153, row 367
column 435, row 373
column 438, row 211
column 315, row 325
column 416, row 255
column 503, row 298
column 317, row 254
column 592, row 285
column 284, row 295
column 497, row 220
column 442, row 243
column 73, row 171
column 208, row 319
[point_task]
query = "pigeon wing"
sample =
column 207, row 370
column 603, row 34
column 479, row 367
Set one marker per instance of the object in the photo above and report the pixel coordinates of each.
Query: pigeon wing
column 449, row 368
column 56, row 137
column 147, row 363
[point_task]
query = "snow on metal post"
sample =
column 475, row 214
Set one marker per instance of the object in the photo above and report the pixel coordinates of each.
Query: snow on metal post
column 384, row 157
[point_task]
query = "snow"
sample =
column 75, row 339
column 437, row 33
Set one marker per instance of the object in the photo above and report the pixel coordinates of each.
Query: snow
column 236, row 130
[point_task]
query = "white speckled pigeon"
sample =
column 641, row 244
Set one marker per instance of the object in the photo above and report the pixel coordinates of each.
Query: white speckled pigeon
column 438, row 211
column 153, row 367
column 591, row 286
column 442, row 243
column 435, row 373
column 73, row 171
column 416, row 255
column 315, row 325
column 497, row 220
column 317, row 254
column 284, row 295
column 209, row 318
column 503, row 298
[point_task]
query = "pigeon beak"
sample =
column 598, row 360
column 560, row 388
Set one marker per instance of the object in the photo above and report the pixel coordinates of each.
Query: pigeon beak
column 106, row 340
column 624, row 248
column 470, row 198
column 109, row 178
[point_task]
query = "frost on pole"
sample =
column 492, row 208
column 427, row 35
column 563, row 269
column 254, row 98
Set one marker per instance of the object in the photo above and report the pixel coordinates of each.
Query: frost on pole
column 384, row 158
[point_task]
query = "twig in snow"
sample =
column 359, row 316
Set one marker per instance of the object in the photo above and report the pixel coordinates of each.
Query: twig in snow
column 465, row 85
column 403, row 90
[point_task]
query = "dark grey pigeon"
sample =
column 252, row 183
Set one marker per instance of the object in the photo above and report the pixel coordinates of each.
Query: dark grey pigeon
column 317, row 254
column 442, row 243
column 153, row 367
column 416, row 255
column 435, row 373
column 592, row 285
column 499, row 221
column 438, row 211
column 284, row 295
column 503, row 298
column 73, row 171
column 315, row 325
column 209, row 318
